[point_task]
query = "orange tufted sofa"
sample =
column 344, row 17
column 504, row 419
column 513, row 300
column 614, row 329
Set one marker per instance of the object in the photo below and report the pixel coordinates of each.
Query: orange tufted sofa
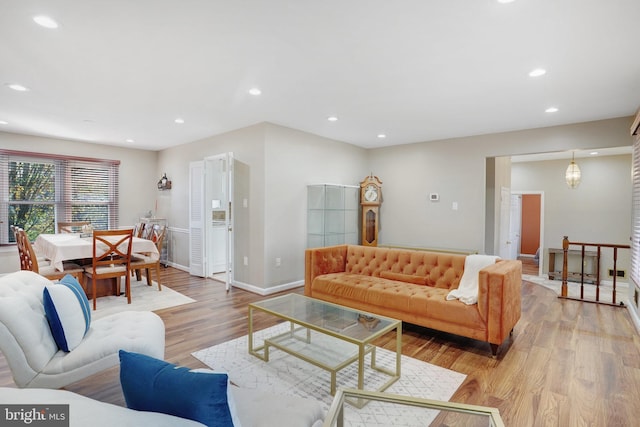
column 412, row 286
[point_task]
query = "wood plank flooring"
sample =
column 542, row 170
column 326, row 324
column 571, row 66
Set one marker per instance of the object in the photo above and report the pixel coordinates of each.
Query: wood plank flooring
column 569, row 363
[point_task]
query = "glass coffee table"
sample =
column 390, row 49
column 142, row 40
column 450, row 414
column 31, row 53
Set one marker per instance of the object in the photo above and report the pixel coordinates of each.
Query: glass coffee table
column 327, row 335
column 407, row 411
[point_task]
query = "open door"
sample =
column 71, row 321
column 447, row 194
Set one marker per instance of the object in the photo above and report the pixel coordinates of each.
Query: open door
column 505, row 210
column 219, row 207
column 196, row 221
column 215, row 184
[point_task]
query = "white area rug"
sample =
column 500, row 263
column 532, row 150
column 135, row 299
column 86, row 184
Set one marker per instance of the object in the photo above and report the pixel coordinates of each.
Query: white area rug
column 287, row 375
column 573, row 289
column 143, row 298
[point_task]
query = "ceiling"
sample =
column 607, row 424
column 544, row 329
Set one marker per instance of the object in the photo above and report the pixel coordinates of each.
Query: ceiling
column 414, row 70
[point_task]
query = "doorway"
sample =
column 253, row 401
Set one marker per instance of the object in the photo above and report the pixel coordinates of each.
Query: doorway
column 214, row 185
column 219, row 221
column 528, row 213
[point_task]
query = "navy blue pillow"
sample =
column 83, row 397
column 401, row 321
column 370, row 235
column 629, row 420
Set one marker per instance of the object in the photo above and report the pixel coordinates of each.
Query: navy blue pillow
column 154, row 385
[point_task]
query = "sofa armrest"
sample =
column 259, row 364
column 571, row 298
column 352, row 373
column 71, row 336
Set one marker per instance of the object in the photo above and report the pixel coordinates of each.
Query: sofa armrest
column 499, row 298
column 317, row 261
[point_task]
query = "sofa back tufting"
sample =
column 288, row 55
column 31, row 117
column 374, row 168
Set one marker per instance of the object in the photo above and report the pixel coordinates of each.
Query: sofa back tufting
column 440, row 270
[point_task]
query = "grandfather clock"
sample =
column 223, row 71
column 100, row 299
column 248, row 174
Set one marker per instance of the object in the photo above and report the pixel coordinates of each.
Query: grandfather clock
column 370, row 199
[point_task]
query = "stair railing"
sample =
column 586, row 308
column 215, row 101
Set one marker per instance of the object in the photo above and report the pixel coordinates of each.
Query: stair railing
column 565, row 249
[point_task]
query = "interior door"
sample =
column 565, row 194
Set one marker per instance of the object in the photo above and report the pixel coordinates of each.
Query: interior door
column 219, row 203
column 505, row 213
column 515, row 225
column 196, row 219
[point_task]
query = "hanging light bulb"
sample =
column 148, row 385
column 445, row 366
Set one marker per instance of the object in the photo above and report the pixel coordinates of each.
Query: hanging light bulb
column 572, row 176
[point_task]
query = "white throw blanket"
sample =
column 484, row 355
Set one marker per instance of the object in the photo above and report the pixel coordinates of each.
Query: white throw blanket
column 467, row 291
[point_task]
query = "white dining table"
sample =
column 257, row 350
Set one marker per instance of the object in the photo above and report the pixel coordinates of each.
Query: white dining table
column 69, row 246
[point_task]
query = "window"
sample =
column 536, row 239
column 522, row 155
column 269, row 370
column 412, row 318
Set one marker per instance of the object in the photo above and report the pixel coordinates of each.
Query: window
column 38, row 190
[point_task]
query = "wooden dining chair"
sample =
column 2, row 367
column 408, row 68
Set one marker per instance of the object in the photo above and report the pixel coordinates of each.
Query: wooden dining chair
column 42, row 260
column 146, row 231
column 29, row 261
column 111, row 259
column 142, row 261
column 137, row 229
column 72, row 226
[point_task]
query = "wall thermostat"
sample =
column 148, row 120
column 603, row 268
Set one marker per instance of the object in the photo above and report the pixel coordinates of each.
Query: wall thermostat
column 434, row 197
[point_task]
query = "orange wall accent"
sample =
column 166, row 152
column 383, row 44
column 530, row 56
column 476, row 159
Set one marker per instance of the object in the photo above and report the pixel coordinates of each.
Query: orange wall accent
column 530, row 234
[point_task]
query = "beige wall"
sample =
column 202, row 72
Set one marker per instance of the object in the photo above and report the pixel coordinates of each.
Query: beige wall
column 248, row 147
column 282, row 162
column 138, row 175
column 598, row 211
column 295, row 159
column 456, row 170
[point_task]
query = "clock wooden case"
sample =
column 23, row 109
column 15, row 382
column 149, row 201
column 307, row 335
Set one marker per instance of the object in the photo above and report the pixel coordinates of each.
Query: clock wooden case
column 370, row 199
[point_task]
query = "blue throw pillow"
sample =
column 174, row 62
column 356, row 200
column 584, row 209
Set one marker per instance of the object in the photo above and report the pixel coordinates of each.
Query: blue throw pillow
column 154, row 385
column 67, row 310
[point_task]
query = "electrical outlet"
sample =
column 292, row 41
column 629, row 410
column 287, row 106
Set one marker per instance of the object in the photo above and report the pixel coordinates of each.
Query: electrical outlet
column 278, row 262
column 246, row 260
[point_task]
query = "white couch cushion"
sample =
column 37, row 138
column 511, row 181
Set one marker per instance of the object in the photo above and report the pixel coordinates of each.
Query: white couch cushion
column 24, row 330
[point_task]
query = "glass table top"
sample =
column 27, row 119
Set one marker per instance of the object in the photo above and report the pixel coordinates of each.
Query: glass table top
column 347, row 323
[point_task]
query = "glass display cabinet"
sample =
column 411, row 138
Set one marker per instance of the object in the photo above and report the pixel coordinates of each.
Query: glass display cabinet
column 332, row 215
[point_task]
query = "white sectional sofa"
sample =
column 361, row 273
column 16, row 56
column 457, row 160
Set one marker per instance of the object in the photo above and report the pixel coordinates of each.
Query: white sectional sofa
column 255, row 409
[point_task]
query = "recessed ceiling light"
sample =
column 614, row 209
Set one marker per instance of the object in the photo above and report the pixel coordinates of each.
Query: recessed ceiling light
column 332, row 118
column 382, row 135
column 255, row 91
column 130, row 140
column 18, row 87
column 2, row 122
column 45, row 21
column 594, row 153
column 537, row 72
column 551, row 110
column 505, row 1
column 179, row 120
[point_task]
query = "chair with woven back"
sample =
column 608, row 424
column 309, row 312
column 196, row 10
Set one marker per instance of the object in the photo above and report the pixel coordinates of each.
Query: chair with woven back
column 42, row 260
column 141, row 261
column 72, row 226
column 29, row 261
column 111, row 259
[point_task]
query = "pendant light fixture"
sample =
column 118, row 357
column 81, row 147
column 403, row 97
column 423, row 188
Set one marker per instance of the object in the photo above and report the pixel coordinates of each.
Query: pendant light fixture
column 572, row 176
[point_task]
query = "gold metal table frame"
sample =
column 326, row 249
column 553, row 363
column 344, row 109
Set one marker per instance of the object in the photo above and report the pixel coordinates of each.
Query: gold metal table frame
column 451, row 413
column 331, row 320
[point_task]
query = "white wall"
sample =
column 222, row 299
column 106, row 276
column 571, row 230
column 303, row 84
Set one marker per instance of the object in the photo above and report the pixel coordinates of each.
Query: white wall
column 598, row 211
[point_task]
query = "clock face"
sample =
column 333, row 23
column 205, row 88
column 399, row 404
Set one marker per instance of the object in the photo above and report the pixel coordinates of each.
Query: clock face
column 371, row 193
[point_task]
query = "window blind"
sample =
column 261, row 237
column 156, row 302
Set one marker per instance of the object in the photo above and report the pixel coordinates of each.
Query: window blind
column 635, row 215
column 38, row 190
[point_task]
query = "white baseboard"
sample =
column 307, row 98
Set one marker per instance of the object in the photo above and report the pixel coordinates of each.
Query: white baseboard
column 634, row 314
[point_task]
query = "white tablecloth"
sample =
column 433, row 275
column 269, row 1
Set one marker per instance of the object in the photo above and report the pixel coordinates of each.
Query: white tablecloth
column 69, row 246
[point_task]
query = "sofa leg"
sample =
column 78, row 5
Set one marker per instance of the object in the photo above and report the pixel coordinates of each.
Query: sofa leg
column 494, row 349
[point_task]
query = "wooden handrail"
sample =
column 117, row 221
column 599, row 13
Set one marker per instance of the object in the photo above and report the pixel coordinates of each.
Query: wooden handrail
column 565, row 249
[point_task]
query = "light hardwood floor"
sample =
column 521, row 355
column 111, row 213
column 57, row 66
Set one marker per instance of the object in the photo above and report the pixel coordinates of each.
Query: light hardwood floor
column 569, row 363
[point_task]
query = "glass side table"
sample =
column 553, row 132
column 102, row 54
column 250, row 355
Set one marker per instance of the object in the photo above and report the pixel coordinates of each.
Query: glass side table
column 380, row 408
